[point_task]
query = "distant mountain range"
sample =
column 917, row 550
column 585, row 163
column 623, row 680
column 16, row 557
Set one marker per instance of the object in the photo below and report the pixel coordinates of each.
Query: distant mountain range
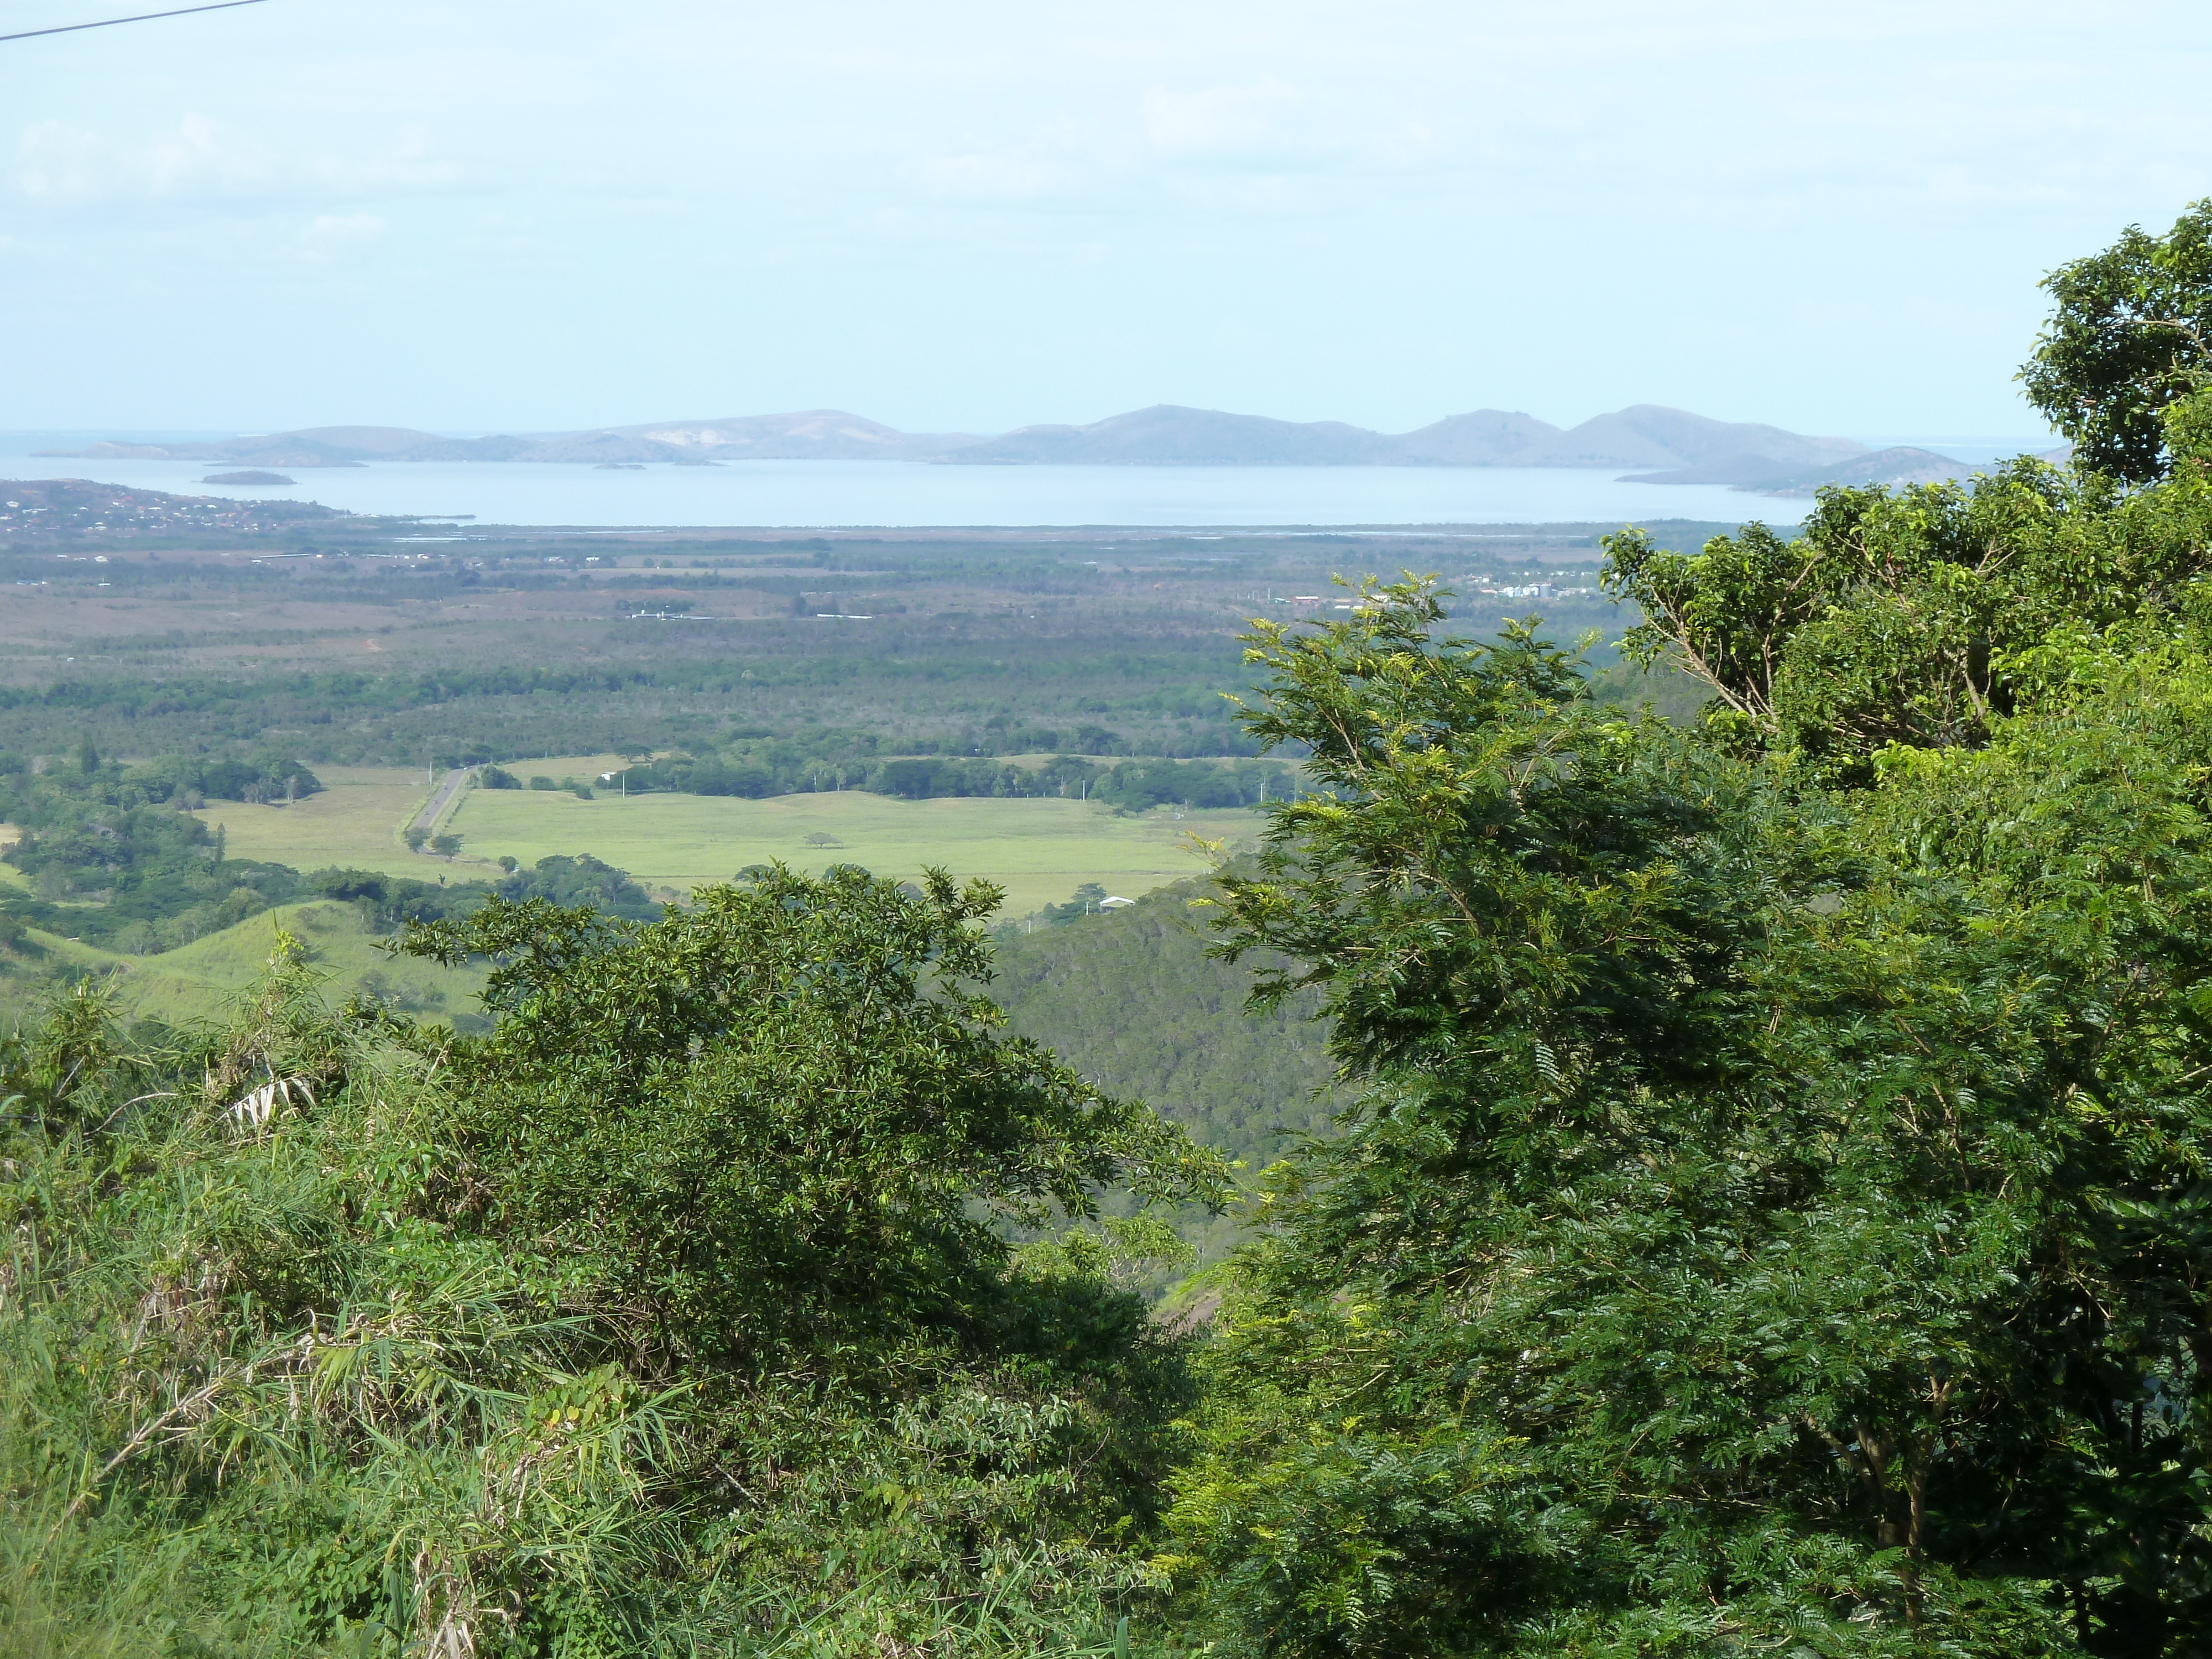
column 820, row 434
column 1900, row 464
column 1664, row 446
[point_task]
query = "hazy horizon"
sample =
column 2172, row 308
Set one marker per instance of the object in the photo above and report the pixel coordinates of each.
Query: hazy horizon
column 1967, row 446
column 503, row 218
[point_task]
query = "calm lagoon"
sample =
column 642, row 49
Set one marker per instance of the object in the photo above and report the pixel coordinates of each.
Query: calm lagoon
column 816, row 495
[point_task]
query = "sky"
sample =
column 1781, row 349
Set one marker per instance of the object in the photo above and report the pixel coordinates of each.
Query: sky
column 509, row 216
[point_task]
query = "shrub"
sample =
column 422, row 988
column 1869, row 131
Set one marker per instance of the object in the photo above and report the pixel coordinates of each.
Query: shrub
column 391, row 1379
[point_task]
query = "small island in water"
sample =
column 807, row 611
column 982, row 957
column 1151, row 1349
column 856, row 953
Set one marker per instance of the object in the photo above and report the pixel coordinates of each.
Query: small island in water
column 248, row 479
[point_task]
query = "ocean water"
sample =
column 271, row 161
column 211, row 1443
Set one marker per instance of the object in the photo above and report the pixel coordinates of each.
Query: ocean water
column 821, row 494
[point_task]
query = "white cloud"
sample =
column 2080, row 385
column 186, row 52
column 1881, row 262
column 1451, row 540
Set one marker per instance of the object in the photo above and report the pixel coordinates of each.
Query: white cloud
column 1247, row 123
column 58, row 163
column 199, row 160
column 984, row 177
column 336, row 237
column 1259, row 148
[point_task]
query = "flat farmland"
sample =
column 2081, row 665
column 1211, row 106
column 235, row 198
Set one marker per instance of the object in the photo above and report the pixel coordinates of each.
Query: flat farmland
column 357, row 820
column 1039, row 850
column 354, row 821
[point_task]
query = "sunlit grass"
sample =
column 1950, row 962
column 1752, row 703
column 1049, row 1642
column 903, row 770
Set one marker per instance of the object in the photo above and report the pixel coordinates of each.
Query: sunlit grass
column 358, row 819
column 1039, row 850
column 200, row 979
column 354, row 821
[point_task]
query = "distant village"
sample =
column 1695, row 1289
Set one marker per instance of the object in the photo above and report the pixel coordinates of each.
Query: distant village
column 44, row 510
column 1483, row 586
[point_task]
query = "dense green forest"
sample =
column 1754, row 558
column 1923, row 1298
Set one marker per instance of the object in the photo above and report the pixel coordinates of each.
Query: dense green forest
column 1764, row 1211
column 1132, row 786
column 1131, row 999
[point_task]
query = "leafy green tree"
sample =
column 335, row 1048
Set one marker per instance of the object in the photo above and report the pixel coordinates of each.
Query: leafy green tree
column 1902, row 617
column 778, row 1118
column 2131, row 334
column 1770, row 1217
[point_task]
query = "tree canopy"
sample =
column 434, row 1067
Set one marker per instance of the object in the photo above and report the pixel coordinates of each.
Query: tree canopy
column 2130, row 333
column 1772, row 1213
column 780, row 1118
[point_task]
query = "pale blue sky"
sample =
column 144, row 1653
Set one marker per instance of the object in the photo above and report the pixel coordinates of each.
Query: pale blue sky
column 967, row 215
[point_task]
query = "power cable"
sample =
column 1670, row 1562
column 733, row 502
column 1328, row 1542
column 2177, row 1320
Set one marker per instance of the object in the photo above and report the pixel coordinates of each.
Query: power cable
column 143, row 17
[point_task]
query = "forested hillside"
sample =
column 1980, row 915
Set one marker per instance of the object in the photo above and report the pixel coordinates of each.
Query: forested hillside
column 1766, row 1214
column 1131, row 998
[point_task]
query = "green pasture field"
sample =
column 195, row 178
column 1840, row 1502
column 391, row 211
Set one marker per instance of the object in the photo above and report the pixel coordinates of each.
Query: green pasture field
column 358, row 820
column 200, row 980
column 354, row 823
column 1039, row 850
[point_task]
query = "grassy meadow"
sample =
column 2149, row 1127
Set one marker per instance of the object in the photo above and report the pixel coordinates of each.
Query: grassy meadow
column 1040, row 850
column 358, row 819
column 355, row 821
column 200, row 979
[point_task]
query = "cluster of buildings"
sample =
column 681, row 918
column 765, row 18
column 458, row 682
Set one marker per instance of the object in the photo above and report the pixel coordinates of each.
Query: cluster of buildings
column 1482, row 584
column 43, row 509
column 1528, row 590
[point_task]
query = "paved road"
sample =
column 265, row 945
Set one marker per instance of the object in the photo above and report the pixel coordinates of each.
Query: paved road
column 448, row 787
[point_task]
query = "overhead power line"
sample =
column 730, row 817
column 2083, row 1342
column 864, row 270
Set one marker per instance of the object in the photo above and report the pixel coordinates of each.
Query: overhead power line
column 143, row 17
